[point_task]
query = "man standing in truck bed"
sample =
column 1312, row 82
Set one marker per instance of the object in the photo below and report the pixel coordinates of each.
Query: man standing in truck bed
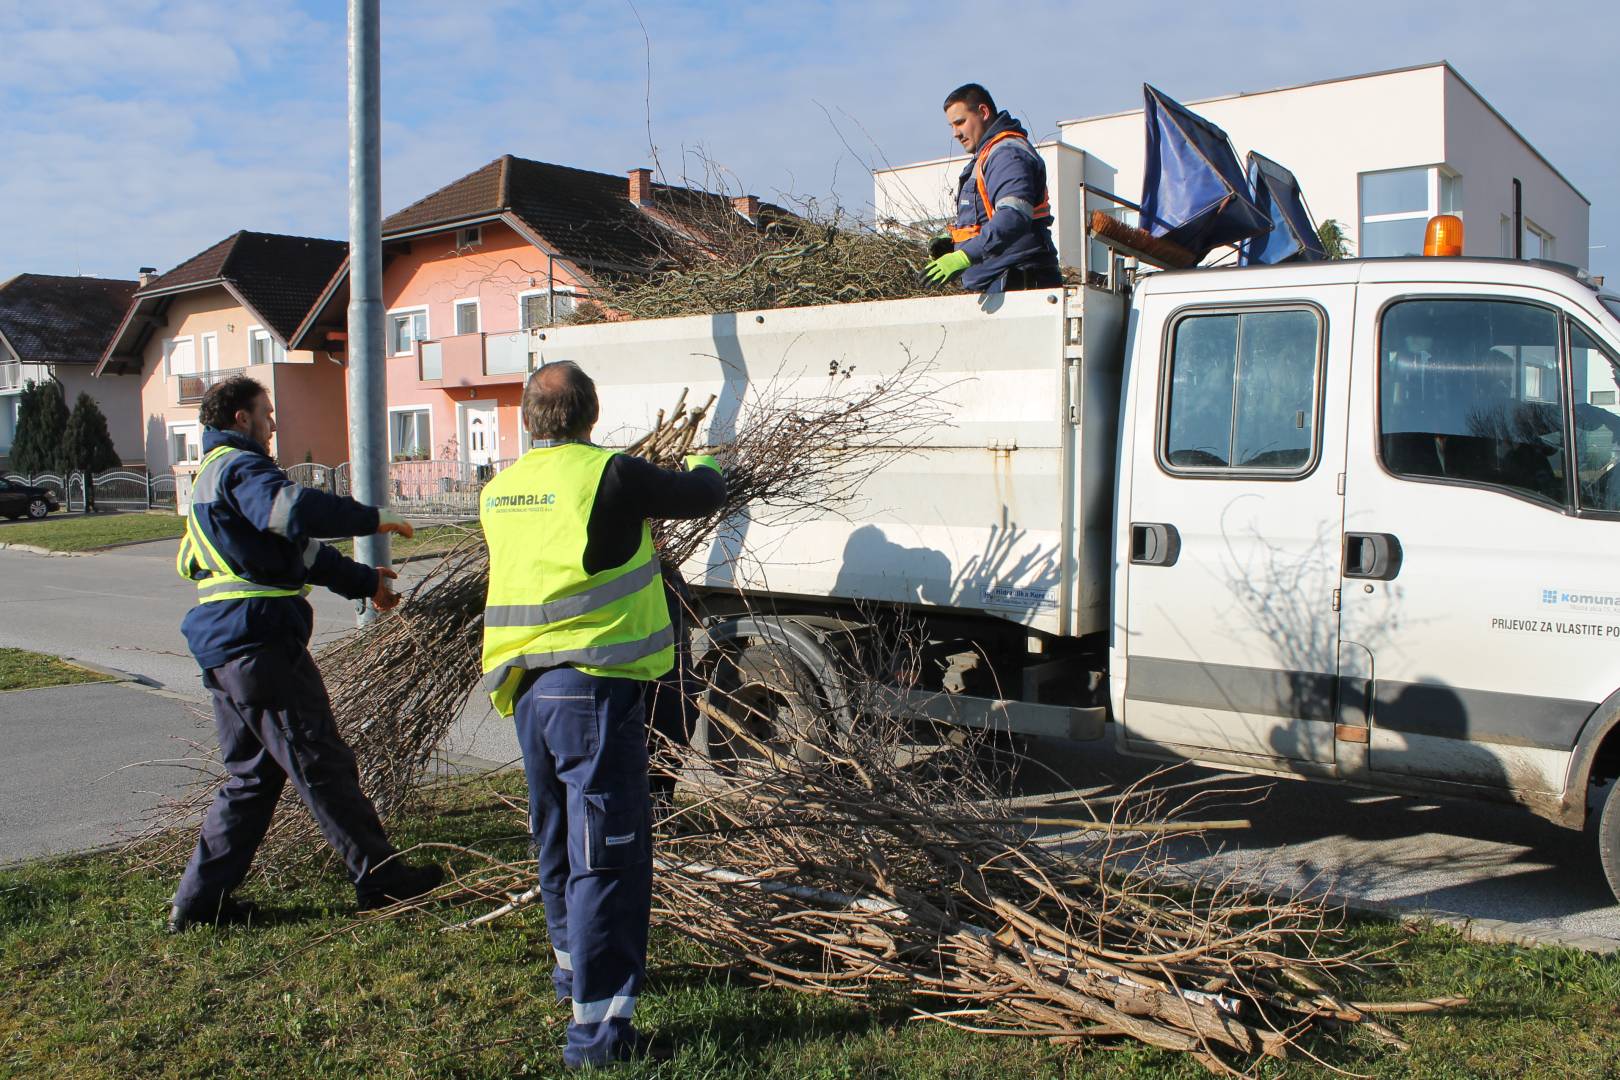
column 1003, row 233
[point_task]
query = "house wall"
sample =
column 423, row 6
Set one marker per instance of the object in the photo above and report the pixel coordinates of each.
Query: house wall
column 434, row 274
column 312, row 415
column 1485, row 151
column 312, row 400
column 119, row 397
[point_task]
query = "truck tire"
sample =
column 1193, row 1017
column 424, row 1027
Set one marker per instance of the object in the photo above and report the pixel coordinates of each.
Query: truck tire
column 762, row 688
column 1608, row 837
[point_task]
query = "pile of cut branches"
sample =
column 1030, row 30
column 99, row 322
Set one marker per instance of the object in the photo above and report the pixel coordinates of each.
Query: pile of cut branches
column 714, row 260
column 896, row 865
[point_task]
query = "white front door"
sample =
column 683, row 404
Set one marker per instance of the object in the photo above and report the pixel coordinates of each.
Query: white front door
column 480, row 440
column 1480, row 554
column 1234, row 516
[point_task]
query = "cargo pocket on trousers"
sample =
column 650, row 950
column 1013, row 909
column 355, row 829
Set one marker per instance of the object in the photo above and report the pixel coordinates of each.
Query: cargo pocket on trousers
column 615, row 831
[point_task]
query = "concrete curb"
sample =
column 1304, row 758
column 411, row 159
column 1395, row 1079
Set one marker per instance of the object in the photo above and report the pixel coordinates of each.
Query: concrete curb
column 33, row 550
column 1486, row 931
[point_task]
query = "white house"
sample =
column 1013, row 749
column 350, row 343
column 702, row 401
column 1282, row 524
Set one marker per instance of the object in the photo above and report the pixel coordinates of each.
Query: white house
column 55, row 327
column 1378, row 153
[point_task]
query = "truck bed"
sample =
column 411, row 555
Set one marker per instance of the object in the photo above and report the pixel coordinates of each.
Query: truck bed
column 992, row 512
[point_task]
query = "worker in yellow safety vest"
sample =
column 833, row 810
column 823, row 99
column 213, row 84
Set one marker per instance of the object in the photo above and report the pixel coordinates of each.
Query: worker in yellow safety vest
column 1002, row 238
column 576, row 627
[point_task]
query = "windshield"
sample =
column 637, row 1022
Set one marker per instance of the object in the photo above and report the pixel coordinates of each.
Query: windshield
column 1611, row 302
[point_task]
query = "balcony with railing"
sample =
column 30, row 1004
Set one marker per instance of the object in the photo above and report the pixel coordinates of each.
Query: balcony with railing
column 190, row 386
column 474, row 359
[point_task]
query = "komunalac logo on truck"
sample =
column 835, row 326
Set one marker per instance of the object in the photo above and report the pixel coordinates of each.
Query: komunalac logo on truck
column 1581, row 601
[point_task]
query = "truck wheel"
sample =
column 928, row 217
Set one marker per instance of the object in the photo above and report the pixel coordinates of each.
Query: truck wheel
column 764, row 690
column 38, row 508
column 1608, row 837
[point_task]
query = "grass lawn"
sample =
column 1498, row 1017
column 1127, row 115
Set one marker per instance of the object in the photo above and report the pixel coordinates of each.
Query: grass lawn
column 94, row 530
column 24, row 670
column 93, row 988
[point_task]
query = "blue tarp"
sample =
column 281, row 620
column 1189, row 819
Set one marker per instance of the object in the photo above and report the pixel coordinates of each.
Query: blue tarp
column 1293, row 234
column 1194, row 192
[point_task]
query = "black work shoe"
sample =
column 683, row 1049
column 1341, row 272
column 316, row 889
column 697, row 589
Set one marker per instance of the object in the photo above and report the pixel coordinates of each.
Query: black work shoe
column 226, row 912
column 397, row 882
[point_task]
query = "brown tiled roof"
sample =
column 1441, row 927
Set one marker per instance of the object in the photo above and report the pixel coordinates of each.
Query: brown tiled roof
column 61, row 320
column 587, row 216
column 279, row 277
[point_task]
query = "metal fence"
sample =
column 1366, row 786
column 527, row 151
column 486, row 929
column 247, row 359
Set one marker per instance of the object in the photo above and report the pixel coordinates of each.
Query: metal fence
column 115, row 489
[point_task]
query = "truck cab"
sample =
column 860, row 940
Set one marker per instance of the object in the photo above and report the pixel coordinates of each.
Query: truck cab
column 1367, row 529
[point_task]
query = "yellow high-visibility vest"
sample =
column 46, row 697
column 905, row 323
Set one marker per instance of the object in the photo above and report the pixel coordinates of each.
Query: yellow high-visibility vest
column 542, row 609
column 199, row 561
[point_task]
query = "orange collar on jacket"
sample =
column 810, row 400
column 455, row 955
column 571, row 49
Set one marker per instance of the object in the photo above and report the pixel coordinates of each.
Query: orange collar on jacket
column 960, row 233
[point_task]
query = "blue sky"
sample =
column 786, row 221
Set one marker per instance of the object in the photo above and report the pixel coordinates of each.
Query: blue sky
column 137, row 132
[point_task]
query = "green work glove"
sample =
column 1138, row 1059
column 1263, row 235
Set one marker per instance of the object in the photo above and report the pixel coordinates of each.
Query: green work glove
column 946, row 267
column 701, row 461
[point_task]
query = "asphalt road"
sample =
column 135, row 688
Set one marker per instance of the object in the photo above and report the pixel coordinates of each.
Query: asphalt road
column 122, row 610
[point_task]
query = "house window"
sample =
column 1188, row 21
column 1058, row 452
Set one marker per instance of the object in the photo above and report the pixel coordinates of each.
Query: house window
column 210, row 352
column 264, row 349
column 470, row 237
column 1538, row 242
column 179, row 356
column 1396, row 207
column 410, row 434
column 466, row 316
column 546, row 307
column 185, row 447
column 1241, row 391
column 405, row 329
column 10, row 375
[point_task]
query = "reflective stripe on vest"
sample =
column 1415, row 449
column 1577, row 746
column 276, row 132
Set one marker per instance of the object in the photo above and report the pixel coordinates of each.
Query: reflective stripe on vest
column 199, row 561
column 1042, row 209
column 542, row 609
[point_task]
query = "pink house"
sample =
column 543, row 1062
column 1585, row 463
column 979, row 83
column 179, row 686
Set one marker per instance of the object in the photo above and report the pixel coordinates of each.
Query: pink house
column 242, row 306
column 472, row 269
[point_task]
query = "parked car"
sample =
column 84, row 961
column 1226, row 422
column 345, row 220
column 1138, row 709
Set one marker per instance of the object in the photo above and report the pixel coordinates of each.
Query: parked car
column 18, row 500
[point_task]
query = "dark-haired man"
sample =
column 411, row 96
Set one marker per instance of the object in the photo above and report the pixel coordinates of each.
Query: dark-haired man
column 576, row 625
column 252, row 547
column 1002, row 238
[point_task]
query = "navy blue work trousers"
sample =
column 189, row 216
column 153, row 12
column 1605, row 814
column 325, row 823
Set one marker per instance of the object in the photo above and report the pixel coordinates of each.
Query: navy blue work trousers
column 584, row 747
column 274, row 721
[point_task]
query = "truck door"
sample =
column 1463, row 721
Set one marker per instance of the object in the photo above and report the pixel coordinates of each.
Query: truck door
column 1480, row 552
column 1234, row 516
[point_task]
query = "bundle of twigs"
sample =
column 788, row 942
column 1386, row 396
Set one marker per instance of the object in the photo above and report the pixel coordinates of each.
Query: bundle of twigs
column 399, row 684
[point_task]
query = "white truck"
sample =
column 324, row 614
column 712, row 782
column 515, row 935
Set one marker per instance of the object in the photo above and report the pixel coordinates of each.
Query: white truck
column 1356, row 521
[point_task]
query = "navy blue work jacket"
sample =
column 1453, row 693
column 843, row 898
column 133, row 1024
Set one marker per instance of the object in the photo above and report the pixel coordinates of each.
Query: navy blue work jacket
column 268, row 529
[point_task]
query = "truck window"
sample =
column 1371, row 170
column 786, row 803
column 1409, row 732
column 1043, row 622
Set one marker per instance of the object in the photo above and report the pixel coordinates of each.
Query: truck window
column 1242, row 391
column 1469, row 391
column 1595, row 385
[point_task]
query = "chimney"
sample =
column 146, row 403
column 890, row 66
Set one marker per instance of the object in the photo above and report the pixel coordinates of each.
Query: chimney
column 747, row 206
column 641, row 187
column 148, row 274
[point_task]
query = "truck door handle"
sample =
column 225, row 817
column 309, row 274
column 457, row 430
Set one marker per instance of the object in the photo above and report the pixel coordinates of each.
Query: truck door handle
column 1154, row 544
column 1372, row 555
